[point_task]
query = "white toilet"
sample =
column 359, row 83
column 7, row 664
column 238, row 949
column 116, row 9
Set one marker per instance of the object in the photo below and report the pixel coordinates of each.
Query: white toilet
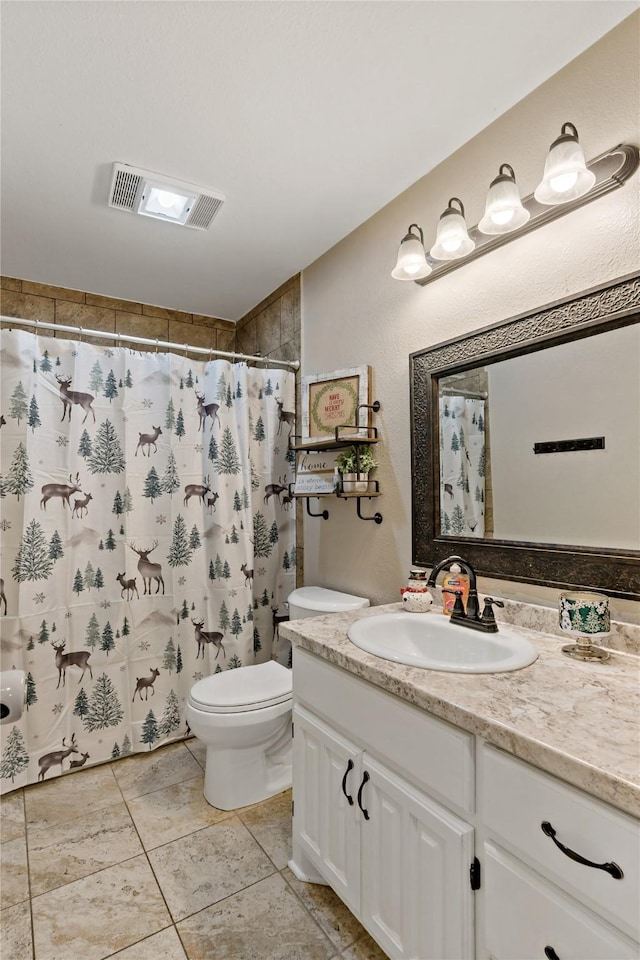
column 243, row 717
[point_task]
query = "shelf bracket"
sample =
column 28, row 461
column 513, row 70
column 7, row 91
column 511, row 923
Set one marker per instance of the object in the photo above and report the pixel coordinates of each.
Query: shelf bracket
column 377, row 517
column 323, row 513
column 375, row 406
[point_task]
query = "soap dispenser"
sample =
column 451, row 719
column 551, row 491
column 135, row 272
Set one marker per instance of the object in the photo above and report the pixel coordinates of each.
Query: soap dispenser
column 454, row 582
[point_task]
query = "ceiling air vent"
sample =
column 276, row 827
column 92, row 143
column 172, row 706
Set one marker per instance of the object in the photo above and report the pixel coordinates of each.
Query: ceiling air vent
column 124, row 188
column 203, row 212
column 152, row 195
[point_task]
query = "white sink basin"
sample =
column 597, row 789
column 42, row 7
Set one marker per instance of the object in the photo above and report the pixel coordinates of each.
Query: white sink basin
column 430, row 640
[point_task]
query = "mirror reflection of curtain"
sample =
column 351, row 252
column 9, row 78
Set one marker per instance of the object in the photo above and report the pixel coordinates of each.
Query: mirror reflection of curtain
column 462, row 466
column 145, row 538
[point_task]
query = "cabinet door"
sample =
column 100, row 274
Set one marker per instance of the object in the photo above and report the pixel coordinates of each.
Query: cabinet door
column 525, row 916
column 327, row 826
column 416, row 896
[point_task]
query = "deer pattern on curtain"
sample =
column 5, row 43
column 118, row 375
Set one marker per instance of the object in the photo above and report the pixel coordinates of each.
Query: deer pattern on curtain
column 462, row 466
column 147, row 540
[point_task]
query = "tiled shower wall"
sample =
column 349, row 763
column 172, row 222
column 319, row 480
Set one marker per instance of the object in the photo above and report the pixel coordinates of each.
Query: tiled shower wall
column 272, row 329
column 39, row 301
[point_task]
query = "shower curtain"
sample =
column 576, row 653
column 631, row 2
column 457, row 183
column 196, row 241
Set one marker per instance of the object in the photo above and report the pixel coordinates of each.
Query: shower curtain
column 147, row 540
column 462, row 466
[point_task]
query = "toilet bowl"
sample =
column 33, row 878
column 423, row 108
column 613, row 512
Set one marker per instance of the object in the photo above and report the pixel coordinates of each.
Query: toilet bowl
column 243, row 717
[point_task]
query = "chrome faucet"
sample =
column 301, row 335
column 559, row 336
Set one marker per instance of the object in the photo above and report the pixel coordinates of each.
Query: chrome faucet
column 471, row 617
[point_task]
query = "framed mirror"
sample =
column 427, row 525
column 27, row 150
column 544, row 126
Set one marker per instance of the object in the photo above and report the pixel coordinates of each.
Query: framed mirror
column 525, row 445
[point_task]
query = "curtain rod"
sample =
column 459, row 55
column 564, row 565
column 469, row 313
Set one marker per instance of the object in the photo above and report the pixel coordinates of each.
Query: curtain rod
column 147, row 341
column 472, row 395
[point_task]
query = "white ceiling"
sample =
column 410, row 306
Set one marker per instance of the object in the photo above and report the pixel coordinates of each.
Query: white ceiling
column 308, row 116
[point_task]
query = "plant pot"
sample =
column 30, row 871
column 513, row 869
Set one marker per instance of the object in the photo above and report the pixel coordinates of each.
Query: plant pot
column 355, row 482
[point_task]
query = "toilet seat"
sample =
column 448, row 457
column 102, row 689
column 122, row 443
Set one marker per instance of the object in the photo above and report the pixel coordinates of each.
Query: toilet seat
column 243, row 690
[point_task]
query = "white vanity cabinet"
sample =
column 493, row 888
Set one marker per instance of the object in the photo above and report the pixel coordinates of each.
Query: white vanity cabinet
column 374, row 783
column 385, row 813
column 537, row 900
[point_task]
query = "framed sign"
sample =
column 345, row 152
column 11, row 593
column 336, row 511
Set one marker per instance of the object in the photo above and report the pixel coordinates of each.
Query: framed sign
column 331, row 400
column 315, row 473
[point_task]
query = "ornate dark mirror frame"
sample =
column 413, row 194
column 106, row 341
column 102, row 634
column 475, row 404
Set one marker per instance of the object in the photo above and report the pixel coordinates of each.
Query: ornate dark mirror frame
column 612, row 571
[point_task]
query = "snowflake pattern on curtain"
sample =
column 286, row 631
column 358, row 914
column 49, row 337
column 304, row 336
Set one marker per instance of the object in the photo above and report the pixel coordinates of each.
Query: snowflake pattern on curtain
column 144, row 514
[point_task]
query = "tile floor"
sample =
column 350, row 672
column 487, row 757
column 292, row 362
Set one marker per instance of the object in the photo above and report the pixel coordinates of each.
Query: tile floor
column 128, row 860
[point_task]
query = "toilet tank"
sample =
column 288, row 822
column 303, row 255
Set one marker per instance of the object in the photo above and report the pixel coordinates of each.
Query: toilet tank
column 315, row 601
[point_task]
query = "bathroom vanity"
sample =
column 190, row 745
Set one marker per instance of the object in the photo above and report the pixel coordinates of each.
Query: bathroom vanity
column 437, row 804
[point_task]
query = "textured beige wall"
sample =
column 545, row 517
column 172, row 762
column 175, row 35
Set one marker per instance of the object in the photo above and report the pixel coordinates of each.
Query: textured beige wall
column 355, row 313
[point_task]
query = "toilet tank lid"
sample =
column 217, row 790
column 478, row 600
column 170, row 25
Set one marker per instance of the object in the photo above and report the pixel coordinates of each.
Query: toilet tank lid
column 244, row 686
column 324, row 600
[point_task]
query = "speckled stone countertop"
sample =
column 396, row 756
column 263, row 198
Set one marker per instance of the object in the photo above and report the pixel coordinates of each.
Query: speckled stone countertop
column 578, row 721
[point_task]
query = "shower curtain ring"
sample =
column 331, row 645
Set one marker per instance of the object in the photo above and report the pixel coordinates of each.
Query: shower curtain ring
column 185, row 350
column 156, row 344
column 81, row 333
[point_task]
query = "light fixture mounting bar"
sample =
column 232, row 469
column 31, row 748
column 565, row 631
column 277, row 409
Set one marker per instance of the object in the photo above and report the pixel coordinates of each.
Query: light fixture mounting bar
column 612, row 169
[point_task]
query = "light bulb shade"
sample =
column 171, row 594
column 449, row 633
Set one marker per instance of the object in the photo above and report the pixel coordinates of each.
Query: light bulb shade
column 565, row 171
column 452, row 238
column 503, row 211
column 412, row 261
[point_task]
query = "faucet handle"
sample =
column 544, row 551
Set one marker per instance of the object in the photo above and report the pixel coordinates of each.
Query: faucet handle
column 458, row 606
column 487, row 613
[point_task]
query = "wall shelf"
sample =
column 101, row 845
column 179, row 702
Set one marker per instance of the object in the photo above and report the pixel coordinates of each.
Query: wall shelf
column 338, row 494
column 339, row 441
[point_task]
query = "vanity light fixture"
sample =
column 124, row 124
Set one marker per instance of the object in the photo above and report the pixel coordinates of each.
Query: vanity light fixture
column 568, row 184
column 412, row 261
column 565, row 172
column 452, row 238
column 504, row 211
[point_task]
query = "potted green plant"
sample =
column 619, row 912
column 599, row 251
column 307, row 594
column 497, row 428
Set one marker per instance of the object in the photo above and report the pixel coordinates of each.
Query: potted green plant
column 354, row 464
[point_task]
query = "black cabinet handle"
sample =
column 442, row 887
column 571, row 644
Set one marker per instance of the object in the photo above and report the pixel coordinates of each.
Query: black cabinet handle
column 611, row 868
column 344, row 782
column 365, row 779
column 550, row 953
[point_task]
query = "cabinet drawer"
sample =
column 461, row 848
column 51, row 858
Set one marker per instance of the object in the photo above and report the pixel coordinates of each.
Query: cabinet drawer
column 432, row 754
column 516, row 800
column 524, row 915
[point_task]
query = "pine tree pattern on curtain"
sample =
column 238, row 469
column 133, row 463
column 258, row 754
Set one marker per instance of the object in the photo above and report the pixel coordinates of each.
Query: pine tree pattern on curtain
column 147, row 540
column 462, row 466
